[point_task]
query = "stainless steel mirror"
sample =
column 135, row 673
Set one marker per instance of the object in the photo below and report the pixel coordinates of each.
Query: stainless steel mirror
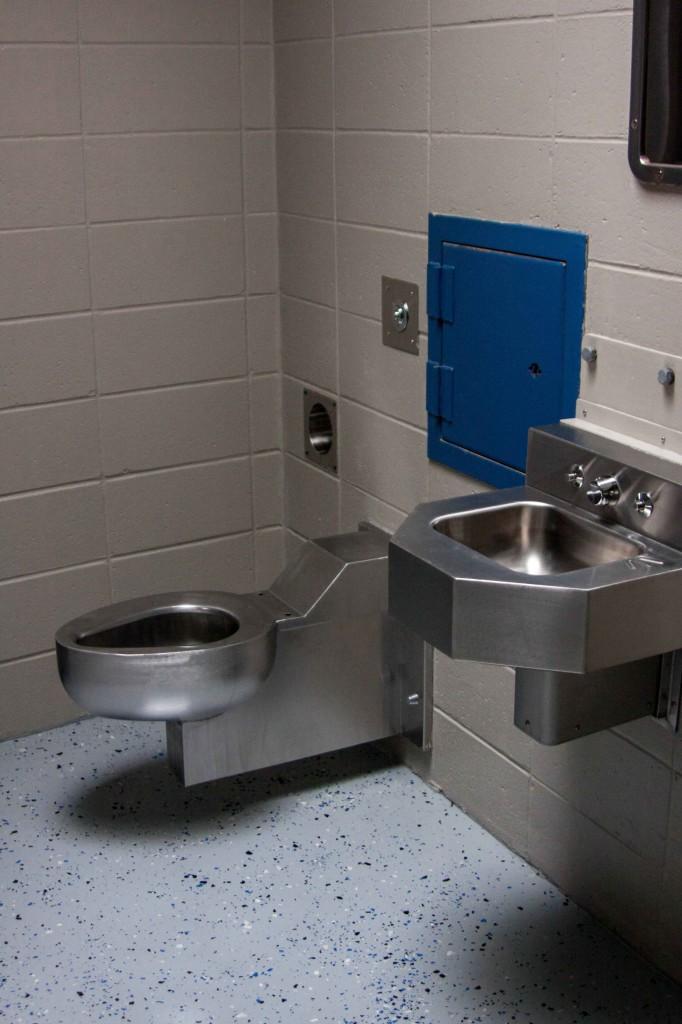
column 655, row 146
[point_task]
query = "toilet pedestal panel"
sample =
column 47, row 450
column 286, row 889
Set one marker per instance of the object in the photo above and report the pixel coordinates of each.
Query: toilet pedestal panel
column 345, row 673
column 328, row 689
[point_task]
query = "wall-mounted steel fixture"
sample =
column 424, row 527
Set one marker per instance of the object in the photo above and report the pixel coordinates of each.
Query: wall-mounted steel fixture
column 249, row 681
column 666, row 376
column 578, row 589
column 320, row 438
column 400, row 314
column 655, row 142
column 589, row 355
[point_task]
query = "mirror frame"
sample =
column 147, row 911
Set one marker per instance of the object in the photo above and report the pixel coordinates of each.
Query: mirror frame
column 644, row 169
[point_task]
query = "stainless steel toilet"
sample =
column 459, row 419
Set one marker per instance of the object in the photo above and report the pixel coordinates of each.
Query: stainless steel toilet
column 179, row 656
column 244, row 682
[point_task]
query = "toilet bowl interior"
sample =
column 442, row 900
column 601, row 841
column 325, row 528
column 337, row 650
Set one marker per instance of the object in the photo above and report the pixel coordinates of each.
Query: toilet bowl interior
column 166, row 627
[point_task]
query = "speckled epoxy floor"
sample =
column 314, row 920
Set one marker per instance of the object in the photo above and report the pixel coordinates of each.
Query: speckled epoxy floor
column 338, row 890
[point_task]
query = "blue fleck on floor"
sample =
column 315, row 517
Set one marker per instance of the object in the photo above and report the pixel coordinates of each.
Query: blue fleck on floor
column 340, row 889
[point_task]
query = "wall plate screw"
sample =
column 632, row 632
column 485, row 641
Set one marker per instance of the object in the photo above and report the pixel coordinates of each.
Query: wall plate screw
column 634, row 124
column 589, row 354
column 666, row 376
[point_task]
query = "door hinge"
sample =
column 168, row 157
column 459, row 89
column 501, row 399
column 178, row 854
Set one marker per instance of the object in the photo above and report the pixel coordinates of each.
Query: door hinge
column 439, row 389
column 440, row 282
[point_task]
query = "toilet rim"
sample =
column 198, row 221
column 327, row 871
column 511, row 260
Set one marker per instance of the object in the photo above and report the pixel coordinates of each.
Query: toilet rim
column 253, row 621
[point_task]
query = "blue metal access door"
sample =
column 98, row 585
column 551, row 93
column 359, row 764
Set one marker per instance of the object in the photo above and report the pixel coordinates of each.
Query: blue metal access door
column 505, row 311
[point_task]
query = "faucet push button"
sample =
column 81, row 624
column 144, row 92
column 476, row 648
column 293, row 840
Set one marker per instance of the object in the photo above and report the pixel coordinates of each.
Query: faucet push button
column 605, row 490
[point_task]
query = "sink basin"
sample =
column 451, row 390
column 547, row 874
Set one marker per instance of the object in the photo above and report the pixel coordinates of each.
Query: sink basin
column 536, row 577
column 535, row 538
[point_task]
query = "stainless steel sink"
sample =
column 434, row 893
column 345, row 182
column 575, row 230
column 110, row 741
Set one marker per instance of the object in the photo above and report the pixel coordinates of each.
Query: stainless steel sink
column 537, row 539
column 578, row 571
column 574, row 580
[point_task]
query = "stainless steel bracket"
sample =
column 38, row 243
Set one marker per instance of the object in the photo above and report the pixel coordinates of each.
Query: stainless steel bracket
column 409, row 667
column 554, row 707
column 670, row 689
column 409, row 664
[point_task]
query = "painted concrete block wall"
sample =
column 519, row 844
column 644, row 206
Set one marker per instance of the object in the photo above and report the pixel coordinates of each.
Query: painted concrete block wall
column 139, row 355
column 514, row 110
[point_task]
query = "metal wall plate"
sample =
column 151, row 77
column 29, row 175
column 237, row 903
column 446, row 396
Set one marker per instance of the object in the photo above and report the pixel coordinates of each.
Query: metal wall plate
column 400, row 314
column 320, row 436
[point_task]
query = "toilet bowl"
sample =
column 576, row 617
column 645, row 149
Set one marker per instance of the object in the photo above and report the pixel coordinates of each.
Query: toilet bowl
column 249, row 681
column 178, row 656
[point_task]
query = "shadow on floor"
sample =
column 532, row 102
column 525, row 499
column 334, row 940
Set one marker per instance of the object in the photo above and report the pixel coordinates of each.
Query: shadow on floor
column 149, row 799
column 559, row 963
